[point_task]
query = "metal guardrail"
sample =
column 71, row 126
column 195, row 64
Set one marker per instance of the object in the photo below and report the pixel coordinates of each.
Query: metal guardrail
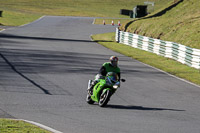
column 178, row 52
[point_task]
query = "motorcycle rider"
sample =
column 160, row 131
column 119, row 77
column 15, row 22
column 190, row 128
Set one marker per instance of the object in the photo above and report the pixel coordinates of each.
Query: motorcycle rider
column 111, row 66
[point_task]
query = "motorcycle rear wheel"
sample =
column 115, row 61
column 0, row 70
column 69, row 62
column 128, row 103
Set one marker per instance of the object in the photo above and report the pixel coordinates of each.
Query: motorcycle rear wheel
column 104, row 98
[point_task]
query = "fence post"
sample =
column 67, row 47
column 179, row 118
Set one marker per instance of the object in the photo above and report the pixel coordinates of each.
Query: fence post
column 117, row 35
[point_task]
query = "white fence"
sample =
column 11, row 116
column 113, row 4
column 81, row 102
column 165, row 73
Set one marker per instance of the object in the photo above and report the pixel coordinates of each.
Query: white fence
column 181, row 53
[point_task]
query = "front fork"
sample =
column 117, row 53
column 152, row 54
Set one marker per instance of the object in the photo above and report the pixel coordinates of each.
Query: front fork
column 89, row 84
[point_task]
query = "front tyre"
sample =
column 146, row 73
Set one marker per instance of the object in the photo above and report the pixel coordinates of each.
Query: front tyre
column 89, row 100
column 104, row 98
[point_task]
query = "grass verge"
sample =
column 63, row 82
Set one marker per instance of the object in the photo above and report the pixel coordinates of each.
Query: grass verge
column 95, row 8
column 12, row 18
column 178, row 23
column 168, row 65
column 17, row 126
column 17, row 12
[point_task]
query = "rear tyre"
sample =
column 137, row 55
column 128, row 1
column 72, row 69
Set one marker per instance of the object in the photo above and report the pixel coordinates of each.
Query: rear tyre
column 89, row 100
column 104, row 98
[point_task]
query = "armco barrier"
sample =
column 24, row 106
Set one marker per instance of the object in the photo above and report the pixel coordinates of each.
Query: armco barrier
column 181, row 53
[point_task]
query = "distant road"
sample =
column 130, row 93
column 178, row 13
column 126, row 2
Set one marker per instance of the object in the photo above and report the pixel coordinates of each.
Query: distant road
column 44, row 70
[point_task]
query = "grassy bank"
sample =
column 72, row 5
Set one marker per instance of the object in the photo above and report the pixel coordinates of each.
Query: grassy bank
column 12, row 18
column 159, row 5
column 16, row 126
column 165, row 64
column 95, row 8
column 179, row 24
column 17, row 12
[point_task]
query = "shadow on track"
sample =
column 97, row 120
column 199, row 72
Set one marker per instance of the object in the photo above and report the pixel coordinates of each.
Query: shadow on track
column 10, row 36
column 130, row 107
column 25, row 77
column 28, row 63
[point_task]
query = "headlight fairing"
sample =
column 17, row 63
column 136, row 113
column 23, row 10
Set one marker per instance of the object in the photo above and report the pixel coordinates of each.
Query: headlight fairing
column 117, row 85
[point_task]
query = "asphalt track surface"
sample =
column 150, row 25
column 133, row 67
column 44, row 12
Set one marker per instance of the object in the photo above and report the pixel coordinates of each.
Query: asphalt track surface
column 44, row 70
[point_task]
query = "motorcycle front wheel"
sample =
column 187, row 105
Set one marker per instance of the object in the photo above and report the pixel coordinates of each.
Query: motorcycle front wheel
column 104, row 98
column 89, row 100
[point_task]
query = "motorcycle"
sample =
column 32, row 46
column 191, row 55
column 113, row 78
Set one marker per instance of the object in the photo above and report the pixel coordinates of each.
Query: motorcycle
column 103, row 89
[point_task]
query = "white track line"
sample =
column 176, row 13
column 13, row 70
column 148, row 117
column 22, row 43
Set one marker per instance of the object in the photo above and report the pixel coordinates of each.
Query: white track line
column 32, row 122
column 26, row 24
column 41, row 126
column 2, row 30
column 94, row 21
column 32, row 22
column 37, row 124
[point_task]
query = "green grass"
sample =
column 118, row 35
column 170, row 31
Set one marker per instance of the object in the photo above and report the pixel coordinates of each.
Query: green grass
column 165, row 64
column 17, row 126
column 11, row 18
column 96, row 8
column 17, row 12
column 159, row 4
column 180, row 24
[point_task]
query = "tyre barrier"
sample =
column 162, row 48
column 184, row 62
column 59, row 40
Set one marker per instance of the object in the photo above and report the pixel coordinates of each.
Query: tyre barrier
column 178, row 52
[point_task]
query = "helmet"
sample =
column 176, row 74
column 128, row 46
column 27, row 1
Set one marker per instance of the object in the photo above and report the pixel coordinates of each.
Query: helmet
column 114, row 61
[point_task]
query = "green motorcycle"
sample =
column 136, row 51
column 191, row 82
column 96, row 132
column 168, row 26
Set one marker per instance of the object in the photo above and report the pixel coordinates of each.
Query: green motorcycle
column 103, row 89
